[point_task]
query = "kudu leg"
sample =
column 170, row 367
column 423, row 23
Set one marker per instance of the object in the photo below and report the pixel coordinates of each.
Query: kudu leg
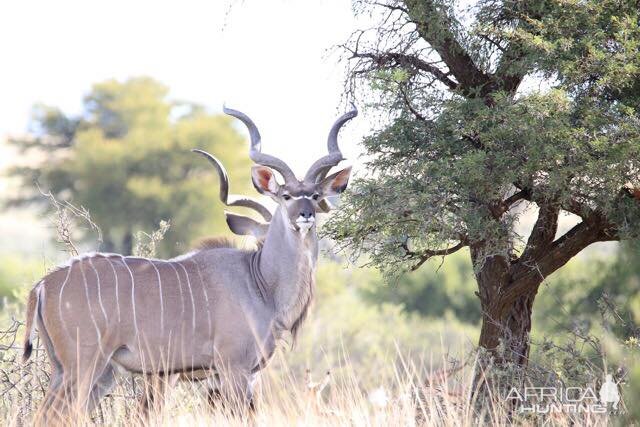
column 71, row 399
column 154, row 392
column 64, row 407
column 213, row 396
column 102, row 387
column 235, row 391
column 54, row 384
column 213, row 391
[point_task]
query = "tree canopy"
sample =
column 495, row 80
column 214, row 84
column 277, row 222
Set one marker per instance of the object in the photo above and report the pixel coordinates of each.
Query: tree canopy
column 504, row 105
column 126, row 158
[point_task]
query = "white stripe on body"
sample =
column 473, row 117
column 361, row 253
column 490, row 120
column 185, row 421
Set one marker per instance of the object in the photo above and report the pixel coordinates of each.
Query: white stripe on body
column 206, row 295
column 115, row 275
column 160, row 292
column 133, row 297
column 61, row 290
column 180, row 289
column 193, row 303
column 104, row 312
column 93, row 319
column 182, row 334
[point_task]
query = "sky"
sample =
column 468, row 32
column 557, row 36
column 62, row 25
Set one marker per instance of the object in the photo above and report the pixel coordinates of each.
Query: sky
column 271, row 60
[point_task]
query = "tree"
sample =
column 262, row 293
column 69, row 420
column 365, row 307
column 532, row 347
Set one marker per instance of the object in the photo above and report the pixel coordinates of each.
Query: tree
column 468, row 142
column 610, row 288
column 126, row 158
column 431, row 292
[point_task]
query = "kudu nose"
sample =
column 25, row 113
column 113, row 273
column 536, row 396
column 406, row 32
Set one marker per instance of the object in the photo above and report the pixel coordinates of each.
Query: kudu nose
column 306, row 213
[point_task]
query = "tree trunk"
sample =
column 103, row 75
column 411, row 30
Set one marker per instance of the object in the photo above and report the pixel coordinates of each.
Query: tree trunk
column 127, row 243
column 506, row 319
column 107, row 243
column 505, row 331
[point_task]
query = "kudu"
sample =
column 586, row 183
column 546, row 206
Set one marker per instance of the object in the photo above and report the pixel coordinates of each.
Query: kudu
column 215, row 310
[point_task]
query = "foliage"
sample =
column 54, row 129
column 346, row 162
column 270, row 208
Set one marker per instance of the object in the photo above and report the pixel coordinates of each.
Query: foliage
column 146, row 244
column 442, row 288
column 371, row 336
column 619, row 292
column 589, row 290
column 126, row 159
column 15, row 273
column 451, row 161
column 508, row 103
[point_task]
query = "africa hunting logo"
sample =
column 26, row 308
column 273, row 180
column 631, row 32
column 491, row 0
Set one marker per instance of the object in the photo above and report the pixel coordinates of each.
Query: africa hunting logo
column 544, row 400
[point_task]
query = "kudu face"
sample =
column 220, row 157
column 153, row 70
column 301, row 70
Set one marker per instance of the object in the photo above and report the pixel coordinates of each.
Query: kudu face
column 299, row 201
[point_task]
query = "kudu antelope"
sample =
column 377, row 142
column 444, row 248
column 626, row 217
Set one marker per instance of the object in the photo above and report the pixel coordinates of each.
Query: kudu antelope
column 214, row 310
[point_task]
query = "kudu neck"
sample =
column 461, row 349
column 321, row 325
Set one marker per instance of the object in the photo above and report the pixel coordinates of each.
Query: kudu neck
column 287, row 257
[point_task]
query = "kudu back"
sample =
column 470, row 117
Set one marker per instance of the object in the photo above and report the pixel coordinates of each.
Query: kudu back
column 217, row 310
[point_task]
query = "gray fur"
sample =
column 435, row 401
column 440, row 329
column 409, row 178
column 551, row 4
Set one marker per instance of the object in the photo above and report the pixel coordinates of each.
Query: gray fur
column 217, row 311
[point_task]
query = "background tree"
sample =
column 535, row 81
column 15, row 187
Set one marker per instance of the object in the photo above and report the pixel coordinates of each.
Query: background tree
column 446, row 290
column 508, row 104
column 126, row 159
column 601, row 293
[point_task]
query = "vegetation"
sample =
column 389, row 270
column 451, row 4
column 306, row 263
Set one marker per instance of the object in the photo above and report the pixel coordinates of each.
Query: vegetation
column 423, row 364
column 444, row 287
column 492, row 110
column 126, row 158
column 489, row 116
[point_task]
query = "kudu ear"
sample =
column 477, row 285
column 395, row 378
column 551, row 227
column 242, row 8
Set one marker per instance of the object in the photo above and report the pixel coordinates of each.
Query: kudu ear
column 245, row 226
column 264, row 180
column 325, row 206
column 336, row 183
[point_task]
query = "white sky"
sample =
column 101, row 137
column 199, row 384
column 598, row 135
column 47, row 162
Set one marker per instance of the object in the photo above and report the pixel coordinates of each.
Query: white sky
column 268, row 59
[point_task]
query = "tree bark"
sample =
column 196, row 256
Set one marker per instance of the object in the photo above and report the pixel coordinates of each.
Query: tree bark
column 107, row 243
column 505, row 333
column 507, row 287
column 506, row 320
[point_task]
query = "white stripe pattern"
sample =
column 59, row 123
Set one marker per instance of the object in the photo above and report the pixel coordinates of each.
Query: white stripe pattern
column 206, row 296
column 160, row 292
column 104, row 312
column 93, row 319
column 182, row 334
column 180, row 289
column 133, row 296
column 193, row 302
column 115, row 275
column 61, row 290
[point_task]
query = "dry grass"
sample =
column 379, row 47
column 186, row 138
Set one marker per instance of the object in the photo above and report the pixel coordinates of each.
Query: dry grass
column 417, row 395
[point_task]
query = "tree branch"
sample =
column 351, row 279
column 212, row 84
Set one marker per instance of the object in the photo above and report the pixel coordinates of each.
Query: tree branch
column 428, row 253
column 391, row 58
column 571, row 205
column 407, row 102
column 516, row 197
column 527, row 274
column 434, row 26
column 541, row 259
column 498, row 208
column 544, row 230
column 514, row 54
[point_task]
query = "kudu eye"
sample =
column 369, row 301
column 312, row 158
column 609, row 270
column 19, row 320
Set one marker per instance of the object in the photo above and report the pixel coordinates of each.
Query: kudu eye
column 315, row 196
column 286, row 197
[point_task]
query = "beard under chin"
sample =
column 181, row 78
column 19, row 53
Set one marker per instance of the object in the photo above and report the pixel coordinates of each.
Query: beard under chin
column 304, row 228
